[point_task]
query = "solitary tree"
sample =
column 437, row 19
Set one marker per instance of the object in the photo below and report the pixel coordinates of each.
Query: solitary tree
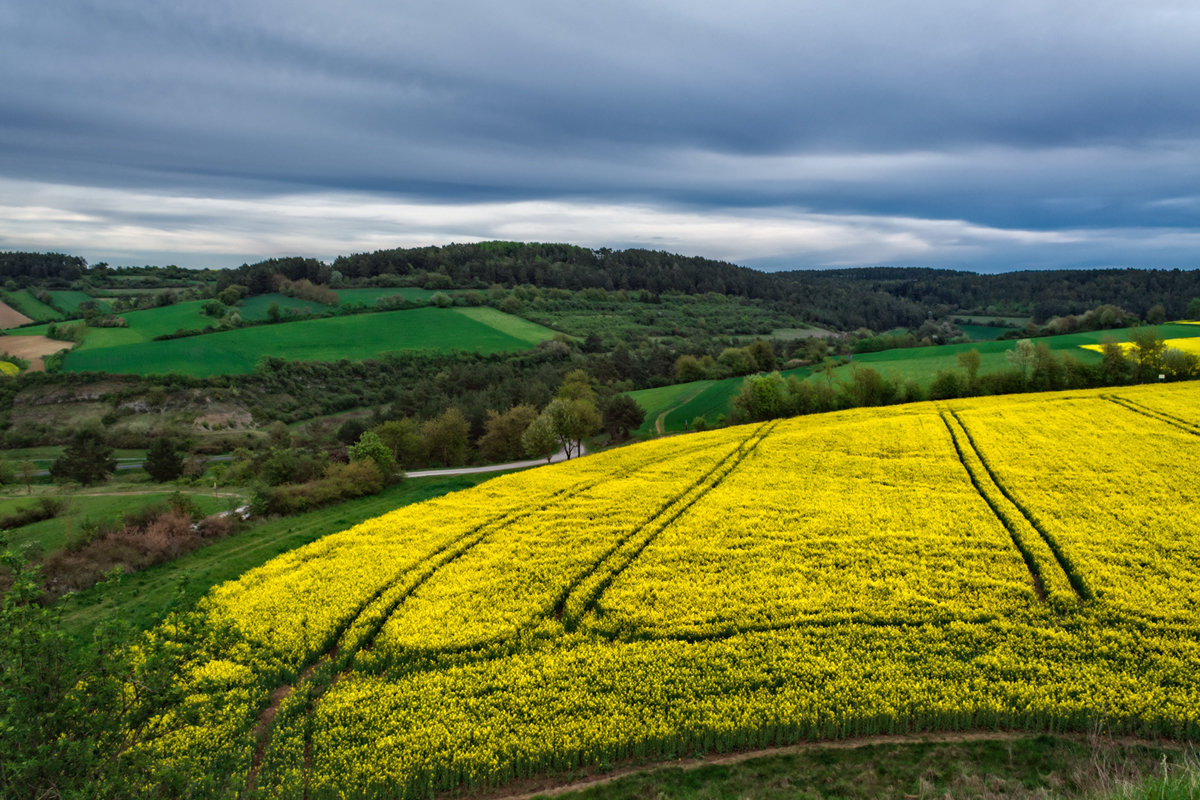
column 87, row 459
column 573, row 421
column 163, row 462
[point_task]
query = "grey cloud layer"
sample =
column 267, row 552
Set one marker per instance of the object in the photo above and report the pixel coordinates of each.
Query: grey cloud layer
column 1025, row 116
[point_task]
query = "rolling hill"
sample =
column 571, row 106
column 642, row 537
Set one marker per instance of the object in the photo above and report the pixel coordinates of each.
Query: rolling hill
column 1026, row 562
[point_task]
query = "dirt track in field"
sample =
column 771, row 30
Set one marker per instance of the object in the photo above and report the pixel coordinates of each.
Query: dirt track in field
column 11, row 318
column 32, row 348
column 548, row 787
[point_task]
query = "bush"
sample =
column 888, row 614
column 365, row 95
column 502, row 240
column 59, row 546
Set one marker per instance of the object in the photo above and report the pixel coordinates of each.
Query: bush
column 45, row 508
column 340, row 482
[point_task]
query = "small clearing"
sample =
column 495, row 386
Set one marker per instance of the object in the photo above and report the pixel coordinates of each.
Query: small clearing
column 11, row 318
column 32, row 348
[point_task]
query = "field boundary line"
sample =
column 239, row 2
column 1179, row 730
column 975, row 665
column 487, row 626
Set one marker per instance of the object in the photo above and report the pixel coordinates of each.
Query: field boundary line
column 1080, row 587
column 609, row 566
column 808, row 623
column 1152, row 413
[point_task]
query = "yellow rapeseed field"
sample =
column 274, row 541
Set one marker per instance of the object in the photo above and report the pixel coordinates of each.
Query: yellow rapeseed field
column 1027, row 562
column 1189, row 345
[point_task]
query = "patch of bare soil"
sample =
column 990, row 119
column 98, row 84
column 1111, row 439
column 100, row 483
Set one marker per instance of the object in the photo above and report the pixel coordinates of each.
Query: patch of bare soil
column 32, row 348
column 11, row 318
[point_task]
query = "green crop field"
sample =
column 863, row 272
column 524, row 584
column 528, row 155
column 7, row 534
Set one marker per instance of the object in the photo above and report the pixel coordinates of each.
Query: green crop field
column 256, row 308
column 983, row 333
column 69, row 301
column 354, row 337
column 30, row 306
column 684, row 402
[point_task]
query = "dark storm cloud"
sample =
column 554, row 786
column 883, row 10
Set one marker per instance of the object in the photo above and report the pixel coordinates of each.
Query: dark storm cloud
column 1020, row 116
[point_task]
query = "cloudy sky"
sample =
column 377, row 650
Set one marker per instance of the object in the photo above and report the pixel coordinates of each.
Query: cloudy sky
column 956, row 133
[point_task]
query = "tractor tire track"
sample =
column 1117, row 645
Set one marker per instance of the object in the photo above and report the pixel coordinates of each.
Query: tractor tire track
column 1074, row 576
column 1159, row 416
column 577, row 602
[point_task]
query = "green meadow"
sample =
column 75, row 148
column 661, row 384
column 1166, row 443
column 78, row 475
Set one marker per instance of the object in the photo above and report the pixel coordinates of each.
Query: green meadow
column 354, row 337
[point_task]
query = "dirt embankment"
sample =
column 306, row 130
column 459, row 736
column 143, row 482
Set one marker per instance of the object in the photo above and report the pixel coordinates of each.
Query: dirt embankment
column 11, row 318
column 32, row 348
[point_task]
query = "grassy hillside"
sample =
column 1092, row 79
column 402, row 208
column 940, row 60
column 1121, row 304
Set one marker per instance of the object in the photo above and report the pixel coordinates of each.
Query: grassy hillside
column 79, row 509
column 682, row 403
column 1024, row 563
column 352, row 337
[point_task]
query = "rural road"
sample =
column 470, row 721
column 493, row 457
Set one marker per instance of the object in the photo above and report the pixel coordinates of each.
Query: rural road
column 424, row 473
column 561, row 455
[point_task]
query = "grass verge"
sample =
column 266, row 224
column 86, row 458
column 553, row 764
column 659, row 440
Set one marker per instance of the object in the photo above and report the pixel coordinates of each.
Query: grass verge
column 1004, row 767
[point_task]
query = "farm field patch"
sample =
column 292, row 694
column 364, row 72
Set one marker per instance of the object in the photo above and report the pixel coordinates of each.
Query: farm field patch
column 1024, row 563
column 1188, row 345
column 31, row 347
column 352, row 337
column 11, row 317
column 30, row 306
column 69, row 301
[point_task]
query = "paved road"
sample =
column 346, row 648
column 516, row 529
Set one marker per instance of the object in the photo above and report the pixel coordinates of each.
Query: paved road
column 561, row 455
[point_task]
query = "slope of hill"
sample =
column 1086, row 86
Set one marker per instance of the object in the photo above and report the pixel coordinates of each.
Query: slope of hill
column 1027, row 562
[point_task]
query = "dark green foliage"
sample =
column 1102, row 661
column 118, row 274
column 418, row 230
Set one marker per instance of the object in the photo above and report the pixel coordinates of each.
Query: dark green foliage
column 163, row 460
column 370, row 447
column 501, row 440
column 447, row 438
column 44, row 747
column 88, row 459
column 622, row 414
column 539, row 439
column 54, row 268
